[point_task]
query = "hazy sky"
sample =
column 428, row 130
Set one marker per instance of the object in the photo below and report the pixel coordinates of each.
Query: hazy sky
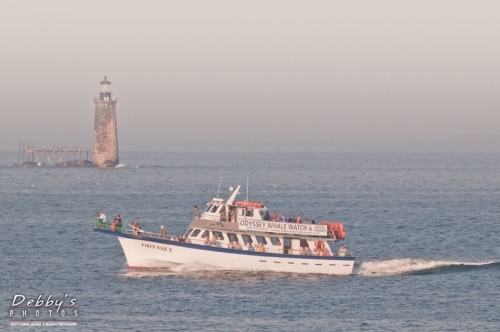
column 188, row 73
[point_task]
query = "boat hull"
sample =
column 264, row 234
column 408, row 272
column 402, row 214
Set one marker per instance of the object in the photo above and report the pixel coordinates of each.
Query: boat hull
column 143, row 251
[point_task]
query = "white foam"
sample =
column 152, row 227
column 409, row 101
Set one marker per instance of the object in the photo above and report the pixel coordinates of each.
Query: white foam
column 193, row 267
column 406, row 265
column 166, row 270
column 120, row 166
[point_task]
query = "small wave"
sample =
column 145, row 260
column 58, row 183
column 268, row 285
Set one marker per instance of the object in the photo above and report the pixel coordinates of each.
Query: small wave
column 121, row 166
column 414, row 266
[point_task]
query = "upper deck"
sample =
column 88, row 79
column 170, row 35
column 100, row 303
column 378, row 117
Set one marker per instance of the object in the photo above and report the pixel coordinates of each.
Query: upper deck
column 254, row 217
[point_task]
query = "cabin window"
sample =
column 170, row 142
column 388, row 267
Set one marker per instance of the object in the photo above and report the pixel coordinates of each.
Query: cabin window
column 218, row 235
column 208, row 208
column 188, row 232
column 260, row 239
column 246, row 238
column 304, row 243
column 205, row 234
column 232, row 237
column 214, row 209
column 250, row 213
column 275, row 241
column 287, row 248
column 241, row 212
column 196, row 232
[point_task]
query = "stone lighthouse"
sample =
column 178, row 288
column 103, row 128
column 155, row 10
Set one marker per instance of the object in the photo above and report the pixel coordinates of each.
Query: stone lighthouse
column 105, row 152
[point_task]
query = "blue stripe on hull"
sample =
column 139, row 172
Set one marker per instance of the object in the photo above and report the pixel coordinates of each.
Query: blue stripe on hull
column 228, row 251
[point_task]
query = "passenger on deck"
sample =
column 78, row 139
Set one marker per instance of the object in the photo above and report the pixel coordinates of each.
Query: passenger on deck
column 187, row 239
column 118, row 225
column 267, row 217
column 261, row 248
column 282, row 217
column 231, row 215
column 342, row 250
column 291, row 219
column 99, row 220
column 251, row 247
column 102, row 220
column 213, row 242
column 274, row 217
column 196, row 213
column 298, row 220
column 308, row 251
column 207, row 241
column 302, row 251
column 222, row 215
column 163, row 231
column 237, row 246
column 230, row 245
column 136, row 228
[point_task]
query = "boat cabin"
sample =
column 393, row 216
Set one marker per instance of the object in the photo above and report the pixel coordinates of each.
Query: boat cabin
column 229, row 235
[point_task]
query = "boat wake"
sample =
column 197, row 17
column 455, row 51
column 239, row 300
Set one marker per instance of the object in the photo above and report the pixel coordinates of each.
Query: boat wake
column 210, row 274
column 378, row 268
column 415, row 266
column 177, row 269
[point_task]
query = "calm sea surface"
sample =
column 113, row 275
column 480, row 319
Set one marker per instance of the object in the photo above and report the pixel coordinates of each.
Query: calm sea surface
column 425, row 229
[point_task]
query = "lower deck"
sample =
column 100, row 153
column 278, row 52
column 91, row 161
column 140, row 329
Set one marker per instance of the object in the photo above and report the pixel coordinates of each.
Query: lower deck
column 263, row 242
column 269, row 243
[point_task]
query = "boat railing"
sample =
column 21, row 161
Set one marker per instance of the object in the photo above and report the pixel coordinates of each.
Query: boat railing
column 125, row 228
column 296, row 252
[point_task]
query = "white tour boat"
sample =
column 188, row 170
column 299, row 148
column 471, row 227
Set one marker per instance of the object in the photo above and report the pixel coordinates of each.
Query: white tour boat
column 235, row 235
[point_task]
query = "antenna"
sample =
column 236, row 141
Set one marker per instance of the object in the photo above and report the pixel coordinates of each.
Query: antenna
column 247, row 188
column 220, row 180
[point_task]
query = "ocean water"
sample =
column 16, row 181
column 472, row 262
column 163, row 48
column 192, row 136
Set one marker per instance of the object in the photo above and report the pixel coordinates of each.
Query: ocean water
column 424, row 227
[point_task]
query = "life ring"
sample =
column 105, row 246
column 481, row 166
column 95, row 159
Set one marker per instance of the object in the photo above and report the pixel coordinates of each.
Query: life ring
column 320, row 245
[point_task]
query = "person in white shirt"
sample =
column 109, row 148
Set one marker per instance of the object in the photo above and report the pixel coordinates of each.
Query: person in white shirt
column 102, row 219
column 342, row 250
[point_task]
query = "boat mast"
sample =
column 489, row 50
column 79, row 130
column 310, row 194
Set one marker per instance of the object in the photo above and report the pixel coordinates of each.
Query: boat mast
column 233, row 195
column 220, row 180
